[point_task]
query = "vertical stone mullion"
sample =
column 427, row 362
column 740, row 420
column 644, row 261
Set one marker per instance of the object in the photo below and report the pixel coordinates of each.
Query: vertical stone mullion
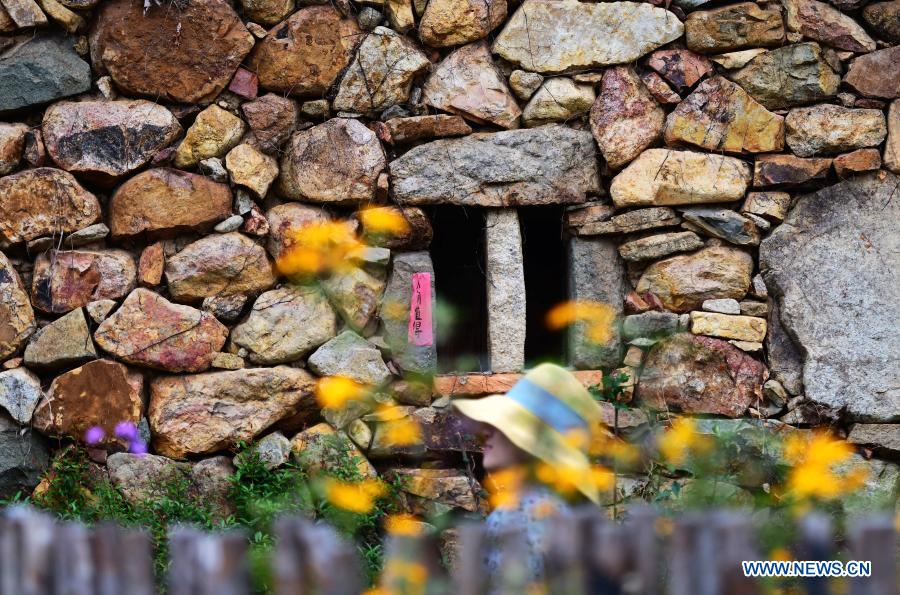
column 505, row 291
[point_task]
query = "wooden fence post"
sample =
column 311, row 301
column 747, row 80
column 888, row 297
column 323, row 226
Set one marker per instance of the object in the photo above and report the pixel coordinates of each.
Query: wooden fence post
column 25, row 544
column 644, row 548
column 568, row 543
column 469, row 573
column 207, row 564
column 874, row 539
column 313, row 558
column 815, row 542
column 122, row 560
column 412, row 563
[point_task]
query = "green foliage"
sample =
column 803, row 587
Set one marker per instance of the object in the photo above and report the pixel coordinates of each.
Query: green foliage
column 611, row 389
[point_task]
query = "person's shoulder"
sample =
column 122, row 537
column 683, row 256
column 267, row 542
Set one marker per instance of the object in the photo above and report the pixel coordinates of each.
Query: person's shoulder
column 542, row 503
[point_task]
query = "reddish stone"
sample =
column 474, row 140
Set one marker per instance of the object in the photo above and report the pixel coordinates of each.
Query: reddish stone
column 681, row 67
column 244, row 83
column 151, row 265
column 417, row 128
column 659, row 88
column 876, row 74
column 635, row 304
column 695, row 374
column 151, row 331
column 63, row 281
column 477, row 385
column 255, row 223
column 789, row 171
column 100, row 393
column 272, row 119
column 859, row 161
column 183, row 54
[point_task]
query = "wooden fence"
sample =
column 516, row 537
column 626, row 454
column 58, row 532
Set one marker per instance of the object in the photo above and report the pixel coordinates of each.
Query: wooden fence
column 695, row 554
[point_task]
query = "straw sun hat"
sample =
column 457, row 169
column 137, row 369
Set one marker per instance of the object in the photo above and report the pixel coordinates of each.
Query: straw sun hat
column 548, row 414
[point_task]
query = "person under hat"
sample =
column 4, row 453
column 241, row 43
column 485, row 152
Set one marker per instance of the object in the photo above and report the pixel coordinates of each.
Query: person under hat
column 542, row 425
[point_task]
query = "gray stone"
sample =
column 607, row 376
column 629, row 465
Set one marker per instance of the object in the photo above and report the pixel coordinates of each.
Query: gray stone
column 650, row 325
column 140, row 477
column 835, row 251
column 88, row 235
column 355, row 295
column 20, row 391
column 16, row 315
column 722, row 306
column 812, row 79
column 351, row 356
column 590, row 259
column 233, row 223
column 882, row 439
column 274, row 450
column 551, row 37
column 524, row 83
column 380, row 74
column 395, row 312
column 36, row 70
column 63, row 343
column 505, row 291
column 826, row 128
column 659, row 246
column 285, row 324
column 878, row 492
column 751, row 308
column 723, row 223
column 23, row 458
column 546, row 165
column 785, row 359
column 632, row 221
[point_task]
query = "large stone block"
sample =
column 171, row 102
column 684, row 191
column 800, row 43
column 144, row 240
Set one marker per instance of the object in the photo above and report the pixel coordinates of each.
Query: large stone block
column 505, row 291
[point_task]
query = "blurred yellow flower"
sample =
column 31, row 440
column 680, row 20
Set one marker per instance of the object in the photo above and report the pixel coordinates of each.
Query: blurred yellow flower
column 682, row 439
column 358, row 497
column 504, row 487
column 780, row 554
column 566, row 479
column 336, row 391
column 604, row 445
column 383, row 220
column 403, row 524
column 597, row 317
column 320, row 248
column 402, row 576
column 813, row 460
column 399, row 429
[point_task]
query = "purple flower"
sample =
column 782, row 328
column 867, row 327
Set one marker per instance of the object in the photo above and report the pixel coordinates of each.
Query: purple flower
column 94, row 435
column 138, row 447
column 126, row 431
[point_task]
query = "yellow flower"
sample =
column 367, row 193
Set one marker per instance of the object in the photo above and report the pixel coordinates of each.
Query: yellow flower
column 504, row 487
column 384, row 220
column 320, row 247
column 402, row 576
column 597, row 317
column 681, row 439
column 813, row 461
column 359, row 497
column 780, row 554
column 403, row 524
column 399, row 428
column 336, row 391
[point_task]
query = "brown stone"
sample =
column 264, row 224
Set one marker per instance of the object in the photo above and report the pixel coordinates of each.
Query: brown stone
column 12, row 146
column 99, row 393
column 449, row 22
column 876, row 74
column 204, row 413
column 186, row 55
column 432, row 491
column 417, row 236
column 884, row 19
column 659, row 88
column 416, row 128
column 659, row 246
column 632, row 221
column 43, row 202
column 321, row 448
column 267, row 12
column 728, row 326
column 285, row 221
column 65, row 280
column 694, row 374
column 303, row 55
column 338, row 161
column 892, row 145
column 625, row 119
column 827, row 128
column 857, row 162
column 771, row 205
column 219, row 265
column 683, row 68
column 212, row 134
column 477, row 385
column 251, row 169
column 734, row 27
column 789, row 171
column 468, row 83
column 720, row 116
column 684, row 282
column 821, row 22
column 151, row 265
column 106, row 139
column 16, row 316
column 165, row 202
column 272, row 119
column 149, row 330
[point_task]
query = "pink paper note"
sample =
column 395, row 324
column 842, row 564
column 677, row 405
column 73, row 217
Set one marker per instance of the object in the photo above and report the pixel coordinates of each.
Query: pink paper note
column 420, row 329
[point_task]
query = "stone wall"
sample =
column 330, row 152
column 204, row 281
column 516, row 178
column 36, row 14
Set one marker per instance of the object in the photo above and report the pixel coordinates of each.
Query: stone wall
column 726, row 166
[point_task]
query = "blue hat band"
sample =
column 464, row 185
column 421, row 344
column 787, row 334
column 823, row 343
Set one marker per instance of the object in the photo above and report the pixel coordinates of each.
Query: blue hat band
column 546, row 406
